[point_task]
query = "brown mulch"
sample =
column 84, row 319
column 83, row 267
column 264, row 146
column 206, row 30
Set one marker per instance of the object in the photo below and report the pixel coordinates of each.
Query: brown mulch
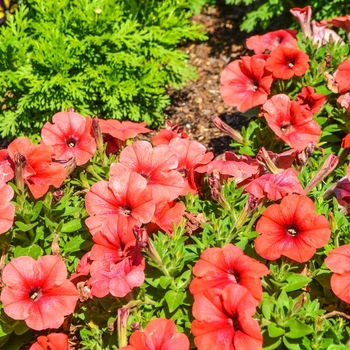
column 199, row 102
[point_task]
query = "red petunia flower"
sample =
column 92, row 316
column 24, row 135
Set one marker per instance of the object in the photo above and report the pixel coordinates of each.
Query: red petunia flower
column 338, row 262
column 166, row 214
column 342, row 76
column 118, row 277
column 292, row 229
column 6, row 166
column 53, row 341
column 38, row 292
column 220, row 267
column 310, row 100
column 272, row 40
column 341, row 22
column 156, row 165
column 70, row 136
column 159, row 334
column 245, row 83
column 344, row 101
column 190, row 154
column 7, row 209
column 275, row 186
column 291, row 122
column 125, row 195
column 35, row 166
column 123, row 130
column 223, row 320
column 170, row 132
column 303, row 16
column 285, row 62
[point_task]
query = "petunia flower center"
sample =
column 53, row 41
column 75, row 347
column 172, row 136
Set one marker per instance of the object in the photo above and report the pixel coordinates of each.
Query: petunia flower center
column 183, row 172
column 291, row 63
column 234, row 275
column 71, row 142
column 35, row 293
column 292, row 231
column 285, row 127
column 235, row 324
column 254, row 85
column 125, row 210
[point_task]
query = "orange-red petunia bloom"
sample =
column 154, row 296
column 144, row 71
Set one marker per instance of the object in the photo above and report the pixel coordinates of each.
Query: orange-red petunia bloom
column 272, row 40
column 70, row 136
column 125, row 195
column 53, row 341
column 220, row 267
column 291, row 122
column 338, row 262
column 34, row 163
column 291, row 229
column 311, row 100
column 342, row 76
column 7, row 209
column 285, row 62
column 6, row 166
column 38, row 291
column 159, row 334
column 224, row 320
column 157, row 165
column 341, row 22
column 245, row 83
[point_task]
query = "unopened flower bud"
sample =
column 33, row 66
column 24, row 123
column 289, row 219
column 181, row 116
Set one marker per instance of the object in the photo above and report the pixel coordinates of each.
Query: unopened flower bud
column 97, row 133
column 57, row 195
column 20, row 163
column 228, row 130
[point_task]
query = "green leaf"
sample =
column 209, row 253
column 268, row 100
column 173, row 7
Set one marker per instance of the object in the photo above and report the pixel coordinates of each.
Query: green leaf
column 274, row 330
column 296, row 281
column 174, row 299
column 72, row 226
column 25, row 227
column 33, row 251
column 164, row 281
column 36, row 210
column 298, row 329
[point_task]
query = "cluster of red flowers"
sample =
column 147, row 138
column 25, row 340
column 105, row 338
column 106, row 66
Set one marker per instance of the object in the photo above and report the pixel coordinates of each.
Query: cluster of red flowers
column 247, row 82
column 226, row 291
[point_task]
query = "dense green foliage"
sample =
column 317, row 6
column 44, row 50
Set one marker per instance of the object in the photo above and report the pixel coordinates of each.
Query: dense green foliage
column 263, row 12
column 103, row 57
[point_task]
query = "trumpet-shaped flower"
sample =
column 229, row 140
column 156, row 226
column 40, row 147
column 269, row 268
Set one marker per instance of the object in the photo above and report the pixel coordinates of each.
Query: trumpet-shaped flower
column 285, row 62
column 338, row 262
column 70, row 135
column 292, row 229
column 220, row 267
column 291, row 122
column 7, row 209
column 159, row 334
column 224, row 320
column 156, row 165
column 125, row 195
column 272, row 40
column 342, row 76
column 303, row 16
column 53, row 341
column 310, row 100
column 38, row 292
column 245, row 83
column 341, row 22
column 35, row 165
